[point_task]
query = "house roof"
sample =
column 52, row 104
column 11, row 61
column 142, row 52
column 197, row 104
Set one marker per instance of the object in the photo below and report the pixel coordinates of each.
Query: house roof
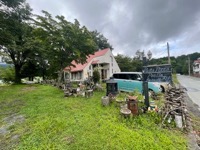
column 197, row 61
column 80, row 67
column 94, row 62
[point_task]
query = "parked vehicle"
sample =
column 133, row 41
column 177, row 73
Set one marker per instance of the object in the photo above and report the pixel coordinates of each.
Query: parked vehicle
column 130, row 81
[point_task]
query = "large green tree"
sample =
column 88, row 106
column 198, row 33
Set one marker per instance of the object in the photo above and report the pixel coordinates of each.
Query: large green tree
column 63, row 41
column 127, row 63
column 16, row 39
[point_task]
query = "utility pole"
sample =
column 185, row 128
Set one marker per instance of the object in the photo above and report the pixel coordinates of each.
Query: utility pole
column 168, row 53
column 189, row 65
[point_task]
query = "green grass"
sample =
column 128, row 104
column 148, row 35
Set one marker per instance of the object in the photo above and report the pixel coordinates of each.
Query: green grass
column 174, row 78
column 55, row 122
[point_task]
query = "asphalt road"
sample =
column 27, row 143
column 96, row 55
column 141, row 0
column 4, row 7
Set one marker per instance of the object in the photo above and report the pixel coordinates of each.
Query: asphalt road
column 193, row 87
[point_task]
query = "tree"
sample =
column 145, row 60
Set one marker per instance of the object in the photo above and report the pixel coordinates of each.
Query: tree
column 139, row 54
column 16, row 39
column 100, row 40
column 11, row 3
column 63, row 41
column 7, row 74
column 124, row 62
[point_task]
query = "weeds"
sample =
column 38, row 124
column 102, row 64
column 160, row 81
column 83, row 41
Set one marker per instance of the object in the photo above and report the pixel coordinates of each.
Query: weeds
column 55, row 122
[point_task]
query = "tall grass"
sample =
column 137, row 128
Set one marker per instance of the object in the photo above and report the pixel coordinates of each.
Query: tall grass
column 174, row 78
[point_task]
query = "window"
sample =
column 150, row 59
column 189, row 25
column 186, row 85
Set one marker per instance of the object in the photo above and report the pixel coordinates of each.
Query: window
column 116, row 76
column 127, row 76
column 132, row 76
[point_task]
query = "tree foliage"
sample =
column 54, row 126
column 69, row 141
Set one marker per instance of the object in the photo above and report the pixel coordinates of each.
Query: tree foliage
column 179, row 64
column 16, row 39
column 96, row 76
column 42, row 46
column 63, row 41
column 127, row 63
column 7, row 74
column 100, row 40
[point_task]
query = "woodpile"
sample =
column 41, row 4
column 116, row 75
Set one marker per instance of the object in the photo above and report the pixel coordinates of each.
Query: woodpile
column 175, row 108
column 83, row 89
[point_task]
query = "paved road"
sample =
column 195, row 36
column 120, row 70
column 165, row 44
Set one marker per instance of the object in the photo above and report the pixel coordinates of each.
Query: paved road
column 193, row 87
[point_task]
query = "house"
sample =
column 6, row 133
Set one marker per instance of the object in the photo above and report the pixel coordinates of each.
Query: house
column 196, row 67
column 102, row 60
column 1, row 59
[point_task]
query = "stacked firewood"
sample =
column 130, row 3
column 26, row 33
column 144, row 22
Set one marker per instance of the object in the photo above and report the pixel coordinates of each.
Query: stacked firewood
column 175, row 108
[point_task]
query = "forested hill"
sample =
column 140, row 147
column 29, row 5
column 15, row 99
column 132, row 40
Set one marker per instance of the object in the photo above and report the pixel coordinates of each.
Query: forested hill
column 179, row 64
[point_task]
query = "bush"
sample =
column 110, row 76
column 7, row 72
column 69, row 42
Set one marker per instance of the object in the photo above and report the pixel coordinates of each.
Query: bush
column 7, row 74
column 96, row 76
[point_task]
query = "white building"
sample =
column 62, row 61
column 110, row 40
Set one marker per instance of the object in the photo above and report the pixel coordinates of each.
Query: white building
column 1, row 59
column 102, row 60
column 196, row 67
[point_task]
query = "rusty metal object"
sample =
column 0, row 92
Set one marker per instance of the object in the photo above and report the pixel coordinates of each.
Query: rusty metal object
column 133, row 104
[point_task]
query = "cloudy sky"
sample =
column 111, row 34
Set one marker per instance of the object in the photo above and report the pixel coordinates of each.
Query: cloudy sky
column 130, row 25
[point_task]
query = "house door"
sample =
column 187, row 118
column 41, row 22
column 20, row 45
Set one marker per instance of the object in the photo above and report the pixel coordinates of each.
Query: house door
column 105, row 71
column 103, row 74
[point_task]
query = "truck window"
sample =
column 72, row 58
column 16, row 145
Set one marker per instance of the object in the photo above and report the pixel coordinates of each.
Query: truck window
column 132, row 76
column 123, row 76
column 115, row 76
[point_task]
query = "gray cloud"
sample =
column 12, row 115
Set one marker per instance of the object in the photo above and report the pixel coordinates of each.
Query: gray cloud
column 135, row 24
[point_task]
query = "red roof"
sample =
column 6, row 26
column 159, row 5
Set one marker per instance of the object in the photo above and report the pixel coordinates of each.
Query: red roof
column 197, row 61
column 80, row 67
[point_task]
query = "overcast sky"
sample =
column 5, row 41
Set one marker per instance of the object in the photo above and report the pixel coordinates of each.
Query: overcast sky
column 130, row 25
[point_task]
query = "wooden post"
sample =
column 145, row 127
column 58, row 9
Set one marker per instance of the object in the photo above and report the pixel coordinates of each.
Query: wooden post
column 146, row 94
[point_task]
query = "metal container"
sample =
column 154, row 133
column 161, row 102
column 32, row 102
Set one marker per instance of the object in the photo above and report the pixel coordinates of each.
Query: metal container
column 111, row 87
column 133, row 105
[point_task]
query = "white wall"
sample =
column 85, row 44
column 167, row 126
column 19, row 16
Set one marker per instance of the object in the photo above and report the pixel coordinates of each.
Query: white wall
column 196, row 68
column 103, row 59
column 1, row 59
column 113, row 68
column 107, row 59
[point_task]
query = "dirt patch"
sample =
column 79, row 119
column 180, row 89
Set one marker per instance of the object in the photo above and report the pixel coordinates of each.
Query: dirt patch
column 7, row 132
column 28, row 89
column 69, row 139
column 9, row 117
column 10, row 107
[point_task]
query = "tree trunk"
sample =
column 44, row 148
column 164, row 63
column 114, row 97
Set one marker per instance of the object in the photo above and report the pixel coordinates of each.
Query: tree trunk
column 17, row 74
column 60, row 76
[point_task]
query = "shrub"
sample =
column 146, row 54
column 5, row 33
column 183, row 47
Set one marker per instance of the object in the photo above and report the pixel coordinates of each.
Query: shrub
column 96, row 76
column 7, row 74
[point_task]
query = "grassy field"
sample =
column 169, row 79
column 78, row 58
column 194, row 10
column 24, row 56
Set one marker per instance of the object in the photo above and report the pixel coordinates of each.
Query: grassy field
column 39, row 117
